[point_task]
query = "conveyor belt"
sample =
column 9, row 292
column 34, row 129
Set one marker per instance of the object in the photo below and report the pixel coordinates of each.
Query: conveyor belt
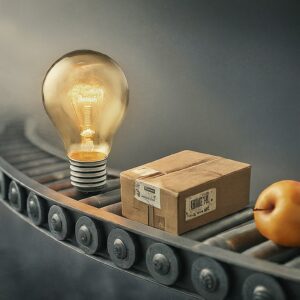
column 227, row 259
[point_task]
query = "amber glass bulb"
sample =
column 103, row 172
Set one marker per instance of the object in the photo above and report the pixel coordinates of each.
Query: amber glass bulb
column 85, row 94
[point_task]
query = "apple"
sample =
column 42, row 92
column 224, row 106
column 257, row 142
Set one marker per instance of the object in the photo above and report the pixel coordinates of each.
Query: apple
column 277, row 213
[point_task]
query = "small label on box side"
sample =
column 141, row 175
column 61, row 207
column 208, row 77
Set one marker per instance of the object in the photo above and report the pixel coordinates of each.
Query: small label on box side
column 200, row 204
column 147, row 193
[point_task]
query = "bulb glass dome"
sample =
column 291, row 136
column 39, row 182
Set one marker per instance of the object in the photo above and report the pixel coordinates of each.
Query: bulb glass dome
column 85, row 94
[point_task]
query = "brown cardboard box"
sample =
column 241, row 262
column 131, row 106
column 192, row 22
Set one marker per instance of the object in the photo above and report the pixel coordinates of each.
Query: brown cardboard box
column 185, row 190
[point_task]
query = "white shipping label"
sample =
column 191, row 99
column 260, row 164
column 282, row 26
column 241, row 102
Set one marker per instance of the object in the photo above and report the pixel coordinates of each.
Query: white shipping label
column 200, row 204
column 147, row 193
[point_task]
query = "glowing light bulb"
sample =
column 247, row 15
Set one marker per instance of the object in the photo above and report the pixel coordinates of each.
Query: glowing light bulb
column 85, row 94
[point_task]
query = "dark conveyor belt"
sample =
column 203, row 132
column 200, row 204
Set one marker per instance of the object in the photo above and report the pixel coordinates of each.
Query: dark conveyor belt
column 227, row 259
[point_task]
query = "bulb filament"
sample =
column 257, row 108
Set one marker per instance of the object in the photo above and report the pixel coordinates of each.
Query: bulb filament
column 85, row 99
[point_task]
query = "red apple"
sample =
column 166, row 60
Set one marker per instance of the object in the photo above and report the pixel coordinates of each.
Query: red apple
column 277, row 213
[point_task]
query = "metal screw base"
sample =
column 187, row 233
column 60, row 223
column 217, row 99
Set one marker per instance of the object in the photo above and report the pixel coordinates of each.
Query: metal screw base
column 88, row 176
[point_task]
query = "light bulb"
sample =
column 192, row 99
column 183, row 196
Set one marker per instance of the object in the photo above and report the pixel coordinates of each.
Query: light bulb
column 85, row 94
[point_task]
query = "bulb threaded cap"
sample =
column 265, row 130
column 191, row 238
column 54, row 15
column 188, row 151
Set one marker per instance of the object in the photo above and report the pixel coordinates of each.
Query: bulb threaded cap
column 88, row 176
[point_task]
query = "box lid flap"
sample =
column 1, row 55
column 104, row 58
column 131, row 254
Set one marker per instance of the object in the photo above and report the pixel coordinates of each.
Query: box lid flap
column 190, row 177
column 169, row 164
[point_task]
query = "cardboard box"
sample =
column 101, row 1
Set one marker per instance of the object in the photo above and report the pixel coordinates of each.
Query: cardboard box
column 185, row 190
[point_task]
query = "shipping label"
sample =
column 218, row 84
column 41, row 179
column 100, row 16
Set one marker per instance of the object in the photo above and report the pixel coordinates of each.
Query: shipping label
column 147, row 193
column 200, row 204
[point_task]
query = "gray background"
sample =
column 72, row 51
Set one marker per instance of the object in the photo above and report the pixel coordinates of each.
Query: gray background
column 220, row 77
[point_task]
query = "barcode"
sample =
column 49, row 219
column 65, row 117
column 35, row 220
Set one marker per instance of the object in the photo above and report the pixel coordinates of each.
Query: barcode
column 203, row 200
column 200, row 204
column 149, row 189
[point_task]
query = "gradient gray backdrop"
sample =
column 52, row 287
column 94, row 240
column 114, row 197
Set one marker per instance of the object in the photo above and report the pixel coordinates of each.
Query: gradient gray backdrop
column 220, row 77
